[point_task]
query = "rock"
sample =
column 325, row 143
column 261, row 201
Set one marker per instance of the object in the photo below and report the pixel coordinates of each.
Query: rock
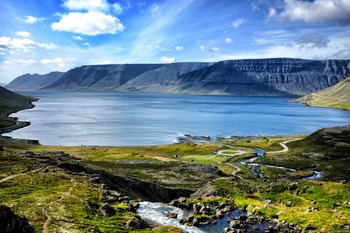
column 220, row 214
column 235, row 224
column 310, row 227
column 136, row 223
column 207, row 190
column 292, row 186
column 95, row 230
column 107, row 210
column 12, row 223
column 171, row 215
column 290, row 204
column 133, row 206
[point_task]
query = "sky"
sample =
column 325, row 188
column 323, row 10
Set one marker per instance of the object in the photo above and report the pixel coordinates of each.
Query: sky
column 40, row 36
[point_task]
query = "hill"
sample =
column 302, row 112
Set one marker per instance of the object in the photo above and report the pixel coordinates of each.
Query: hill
column 337, row 96
column 34, row 81
column 11, row 102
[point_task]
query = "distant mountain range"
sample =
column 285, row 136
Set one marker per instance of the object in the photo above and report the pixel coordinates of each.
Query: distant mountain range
column 275, row 76
column 34, row 81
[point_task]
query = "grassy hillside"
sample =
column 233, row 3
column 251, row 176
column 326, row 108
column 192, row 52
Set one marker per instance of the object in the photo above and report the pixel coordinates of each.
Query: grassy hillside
column 11, row 102
column 337, row 96
column 64, row 188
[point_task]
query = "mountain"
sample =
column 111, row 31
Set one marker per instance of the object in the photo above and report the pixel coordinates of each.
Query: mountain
column 337, row 96
column 100, row 77
column 34, row 81
column 275, row 76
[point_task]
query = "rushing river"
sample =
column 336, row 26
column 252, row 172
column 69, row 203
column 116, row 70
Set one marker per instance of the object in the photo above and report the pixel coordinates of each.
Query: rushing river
column 126, row 119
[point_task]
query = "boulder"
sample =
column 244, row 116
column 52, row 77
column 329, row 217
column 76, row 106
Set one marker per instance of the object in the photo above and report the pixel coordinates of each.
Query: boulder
column 107, row 210
column 12, row 223
column 136, row 223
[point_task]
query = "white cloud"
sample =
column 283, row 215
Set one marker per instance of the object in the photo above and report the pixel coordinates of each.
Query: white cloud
column 88, row 23
column 32, row 20
column 168, row 59
column 87, row 44
column 25, row 62
column 179, row 48
column 23, row 44
column 155, row 8
column 213, row 49
column 90, row 5
column 228, row 40
column 238, row 22
column 16, row 43
column 49, row 61
column 313, row 41
column 272, row 13
column 23, row 34
column 104, row 62
column 316, row 11
column 77, row 38
column 117, row 8
column 47, row 46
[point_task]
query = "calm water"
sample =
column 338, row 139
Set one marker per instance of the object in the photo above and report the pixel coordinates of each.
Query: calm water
column 125, row 119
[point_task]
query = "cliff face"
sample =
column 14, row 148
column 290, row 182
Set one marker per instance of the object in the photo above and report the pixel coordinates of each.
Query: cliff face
column 34, row 81
column 276, row 76
column 261, row 77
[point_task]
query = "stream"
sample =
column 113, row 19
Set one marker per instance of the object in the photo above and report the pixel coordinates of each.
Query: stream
column 255, row 167
column 155, row 213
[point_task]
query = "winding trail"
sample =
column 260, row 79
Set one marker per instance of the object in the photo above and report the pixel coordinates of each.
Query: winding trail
column 20, row 174
column 284, row 146
column 234, row 153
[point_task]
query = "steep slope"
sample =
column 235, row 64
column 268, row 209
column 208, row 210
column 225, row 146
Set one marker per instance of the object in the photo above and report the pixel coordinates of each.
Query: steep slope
column 337, row 96
column 158, row 80
column 100, row 77
column 34, row 81
column 276, row 76
column 11, row 102
column 262, row 77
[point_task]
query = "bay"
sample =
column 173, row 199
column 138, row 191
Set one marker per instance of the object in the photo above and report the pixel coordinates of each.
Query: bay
column 128, row 119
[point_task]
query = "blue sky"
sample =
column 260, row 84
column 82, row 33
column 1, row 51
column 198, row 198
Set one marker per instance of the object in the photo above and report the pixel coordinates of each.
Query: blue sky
column 39, row 36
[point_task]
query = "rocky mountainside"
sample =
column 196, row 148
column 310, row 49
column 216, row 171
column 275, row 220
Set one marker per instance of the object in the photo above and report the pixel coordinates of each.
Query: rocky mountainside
column 275, row 76
column 34, row 81
column 100, row 77
column 337, row 96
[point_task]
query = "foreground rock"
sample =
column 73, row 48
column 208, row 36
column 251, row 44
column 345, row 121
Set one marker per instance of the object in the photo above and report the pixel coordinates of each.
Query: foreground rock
column 12, row 223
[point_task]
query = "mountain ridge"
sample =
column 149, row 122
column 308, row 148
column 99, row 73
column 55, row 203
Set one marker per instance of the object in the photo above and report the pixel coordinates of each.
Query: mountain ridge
column 34, row 81
column 247, row 77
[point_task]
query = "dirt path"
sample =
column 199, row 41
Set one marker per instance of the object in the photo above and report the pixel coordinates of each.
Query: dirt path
column 20, row 174
column 284, row 146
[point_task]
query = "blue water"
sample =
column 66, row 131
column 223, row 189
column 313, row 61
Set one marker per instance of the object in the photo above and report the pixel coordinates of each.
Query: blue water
column 125, row 119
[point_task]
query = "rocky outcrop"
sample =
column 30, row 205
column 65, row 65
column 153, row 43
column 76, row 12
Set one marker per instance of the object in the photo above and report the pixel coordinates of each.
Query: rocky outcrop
column 34, row 81
column 12, row 223
column 275, row 76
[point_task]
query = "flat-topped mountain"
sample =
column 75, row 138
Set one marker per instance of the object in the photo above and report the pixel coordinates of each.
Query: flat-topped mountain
column 274, row 76
column 34, row 81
